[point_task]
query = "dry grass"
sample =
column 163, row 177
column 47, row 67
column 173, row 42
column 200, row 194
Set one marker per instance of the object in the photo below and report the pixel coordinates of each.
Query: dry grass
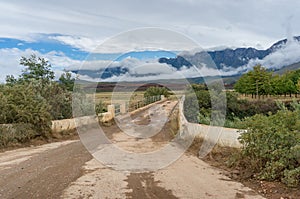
column 107, row 97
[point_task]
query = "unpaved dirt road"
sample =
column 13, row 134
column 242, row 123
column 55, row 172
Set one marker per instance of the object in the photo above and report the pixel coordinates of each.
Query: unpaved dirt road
column 41, row 172
column 67, row 170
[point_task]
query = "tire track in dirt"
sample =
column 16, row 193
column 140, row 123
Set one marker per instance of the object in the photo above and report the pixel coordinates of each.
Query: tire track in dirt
column 45, row 174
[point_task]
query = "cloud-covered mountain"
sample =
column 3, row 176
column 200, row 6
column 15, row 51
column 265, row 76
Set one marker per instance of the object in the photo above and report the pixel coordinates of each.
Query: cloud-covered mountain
column 231, row 59
column 70, row 53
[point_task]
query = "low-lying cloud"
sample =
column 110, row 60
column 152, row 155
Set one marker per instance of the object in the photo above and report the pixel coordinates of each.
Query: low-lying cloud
column 286, row 55
column 140, row 70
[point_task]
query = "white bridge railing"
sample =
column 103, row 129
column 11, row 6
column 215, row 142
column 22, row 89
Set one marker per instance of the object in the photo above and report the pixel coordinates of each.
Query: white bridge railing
column 223, row 136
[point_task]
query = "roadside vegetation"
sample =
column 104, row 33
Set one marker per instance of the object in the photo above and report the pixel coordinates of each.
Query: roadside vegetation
column 234, row 111
column 261, row 87
column 157, row 91
column 271, row 143
column 271, row 146
column 31, row 101
column 261, row 83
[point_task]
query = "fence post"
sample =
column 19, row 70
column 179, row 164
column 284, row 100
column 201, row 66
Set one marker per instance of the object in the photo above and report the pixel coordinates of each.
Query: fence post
column 162, row 97
column 111, row 110
column 123, row 108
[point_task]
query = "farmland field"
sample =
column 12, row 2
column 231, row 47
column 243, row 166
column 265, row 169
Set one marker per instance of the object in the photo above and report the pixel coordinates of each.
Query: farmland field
column 106, row 97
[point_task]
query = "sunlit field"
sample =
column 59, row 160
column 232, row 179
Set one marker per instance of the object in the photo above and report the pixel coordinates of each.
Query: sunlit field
column 106, row 97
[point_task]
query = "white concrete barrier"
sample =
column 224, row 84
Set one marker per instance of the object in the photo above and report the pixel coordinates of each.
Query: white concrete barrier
column 224, row 136
column 70, row 124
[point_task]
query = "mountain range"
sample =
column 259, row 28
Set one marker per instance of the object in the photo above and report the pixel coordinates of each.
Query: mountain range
column 231, row 62
column 65, row 54
column 233, row 58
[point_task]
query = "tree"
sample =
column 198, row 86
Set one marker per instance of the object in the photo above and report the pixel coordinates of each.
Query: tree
column 262, row 79
column 244, row 85
column 256, row 82
column 293, row 76
column 36, row 68
column 287, row 85
column 67, row 81
column 39, row 75
column 198, row 87
column 155, row 91
column 11, row 80
column 276, row 85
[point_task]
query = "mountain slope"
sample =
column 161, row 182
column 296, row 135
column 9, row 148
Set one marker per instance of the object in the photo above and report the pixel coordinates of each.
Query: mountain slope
column 232, row 58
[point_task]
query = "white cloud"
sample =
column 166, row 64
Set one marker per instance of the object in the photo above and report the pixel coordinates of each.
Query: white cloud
column 141, row 70
column 148, row 71
column 83, row 43
column 90, row 65
column 9, row 63
column 145, row 39
column 210, row 23
column 171, row 75
column 284, row 56
column 151, row 68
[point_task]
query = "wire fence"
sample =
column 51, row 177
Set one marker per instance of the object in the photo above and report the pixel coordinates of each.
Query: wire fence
column 117, row 109
column 133, row 105
column 138, row 104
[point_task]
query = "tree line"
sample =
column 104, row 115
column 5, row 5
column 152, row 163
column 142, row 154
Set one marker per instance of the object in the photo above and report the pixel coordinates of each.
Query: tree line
column 261, row 82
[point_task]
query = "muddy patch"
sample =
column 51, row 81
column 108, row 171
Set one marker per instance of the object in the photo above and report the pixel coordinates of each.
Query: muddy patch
column 143, row 185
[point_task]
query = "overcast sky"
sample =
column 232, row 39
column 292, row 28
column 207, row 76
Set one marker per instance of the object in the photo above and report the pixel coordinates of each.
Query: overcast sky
column 233, row 23
column 116, row 26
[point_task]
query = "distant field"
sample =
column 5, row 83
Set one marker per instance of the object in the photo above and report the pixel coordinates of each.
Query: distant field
column 106, row 97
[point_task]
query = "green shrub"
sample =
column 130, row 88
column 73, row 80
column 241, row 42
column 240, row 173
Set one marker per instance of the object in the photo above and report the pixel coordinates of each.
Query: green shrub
column 59, row 100
column 100, row 108
column 156, row 90
column 271, row 146
column 191, row 108
column 16, row 133
column 235, row 109
column 30, row 102
column 291, row 177
column 22, row 104
column 82, row 104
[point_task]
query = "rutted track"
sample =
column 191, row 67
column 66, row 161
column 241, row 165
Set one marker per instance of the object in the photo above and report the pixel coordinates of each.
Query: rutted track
column 41, row 172
column 67, row 170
